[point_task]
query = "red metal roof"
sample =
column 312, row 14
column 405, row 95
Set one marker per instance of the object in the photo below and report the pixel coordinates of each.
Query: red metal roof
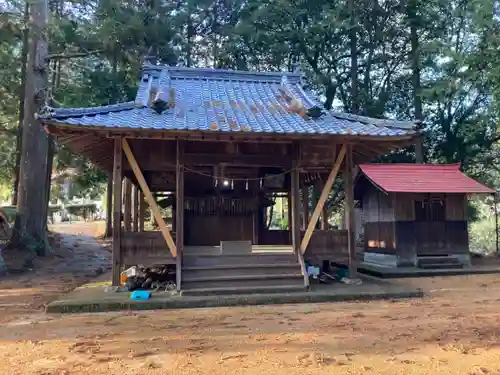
column 422, row 178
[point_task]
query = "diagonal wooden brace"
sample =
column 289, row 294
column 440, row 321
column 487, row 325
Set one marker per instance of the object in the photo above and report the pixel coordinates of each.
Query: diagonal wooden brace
column 322, row 199
column 149, row 197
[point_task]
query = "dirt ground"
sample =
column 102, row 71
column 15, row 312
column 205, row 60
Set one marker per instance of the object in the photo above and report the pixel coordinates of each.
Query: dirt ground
column 455, row 330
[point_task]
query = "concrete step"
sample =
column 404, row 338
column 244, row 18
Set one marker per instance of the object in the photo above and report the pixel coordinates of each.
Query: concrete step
column 237, row 260
column 231, row 278
column 243, row 281
column 203, row 291
column 438, row 266
column 241, row 269
column 438, row 262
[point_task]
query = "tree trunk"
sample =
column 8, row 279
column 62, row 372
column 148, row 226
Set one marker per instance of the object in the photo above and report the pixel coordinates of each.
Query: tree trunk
column 48, row 180
column 22, row 88
column 353, row 36
column 29, row 230
column 415, row 67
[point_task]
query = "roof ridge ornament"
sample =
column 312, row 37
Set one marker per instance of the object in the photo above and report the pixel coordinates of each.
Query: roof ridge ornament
column 165, row 96
column 144, row 91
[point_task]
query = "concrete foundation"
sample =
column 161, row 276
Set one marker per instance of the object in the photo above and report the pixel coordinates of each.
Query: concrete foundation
column 93, row 298
column 386, row 260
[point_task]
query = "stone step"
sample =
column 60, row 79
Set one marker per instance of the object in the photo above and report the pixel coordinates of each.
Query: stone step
column 241, row 269
column 202, row 291
column 436, row 266
column 243, row 281
column 438, row 262
column 237, row 260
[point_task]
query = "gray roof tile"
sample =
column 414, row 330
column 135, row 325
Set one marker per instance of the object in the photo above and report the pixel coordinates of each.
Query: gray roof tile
column 226, row 101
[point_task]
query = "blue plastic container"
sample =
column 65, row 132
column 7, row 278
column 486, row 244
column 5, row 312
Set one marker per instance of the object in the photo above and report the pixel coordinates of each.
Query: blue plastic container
column 140, row 295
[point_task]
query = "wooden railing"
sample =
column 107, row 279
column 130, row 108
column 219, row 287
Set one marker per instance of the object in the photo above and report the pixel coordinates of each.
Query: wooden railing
column 324, row 244
column 147, row 248
column 328, row 245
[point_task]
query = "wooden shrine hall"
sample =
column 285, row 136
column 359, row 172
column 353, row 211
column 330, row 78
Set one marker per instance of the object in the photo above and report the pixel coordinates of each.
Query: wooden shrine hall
column 214, row 147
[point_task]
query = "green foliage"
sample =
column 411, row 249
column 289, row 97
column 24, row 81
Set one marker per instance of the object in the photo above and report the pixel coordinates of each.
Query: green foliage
column 103, row 43
column 482, row 229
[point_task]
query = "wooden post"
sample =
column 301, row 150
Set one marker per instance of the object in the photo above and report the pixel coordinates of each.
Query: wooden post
column 322, row 199
column 350, row 214
column 305, row 207
column 135, row 208
column 142, row 210
column 127, row 210
column 289, row 212
column 109, row 207
column 149, row 197
column 117, row 210
column 179, row 211
column 295, row 207
column 254, row 188
column 324, row 212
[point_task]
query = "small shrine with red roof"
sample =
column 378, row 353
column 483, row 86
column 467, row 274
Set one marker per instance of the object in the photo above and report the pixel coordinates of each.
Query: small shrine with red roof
column 415, row 214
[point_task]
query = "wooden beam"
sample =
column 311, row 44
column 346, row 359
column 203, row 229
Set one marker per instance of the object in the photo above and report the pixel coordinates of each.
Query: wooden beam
column 305, row 207
column 127, row 210
column 350, row 215
column 179, row 212
column 109, row 206
column 295, row 190
column 257, row 215
column 149, row 198
column 289, row 213
column 142, row 210
column 268, row 160
column 324, row 212
column 295, row 208
column 135, row 208
column 322, row 199
column 117, row 211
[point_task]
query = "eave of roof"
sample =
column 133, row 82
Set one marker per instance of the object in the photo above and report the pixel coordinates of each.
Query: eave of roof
column 421, row 178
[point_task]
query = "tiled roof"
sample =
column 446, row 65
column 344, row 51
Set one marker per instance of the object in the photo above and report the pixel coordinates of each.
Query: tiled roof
column 226, row 101
column 422, row 178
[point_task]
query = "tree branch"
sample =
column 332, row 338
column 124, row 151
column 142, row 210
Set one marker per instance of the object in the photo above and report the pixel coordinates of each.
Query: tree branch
column 60, row 56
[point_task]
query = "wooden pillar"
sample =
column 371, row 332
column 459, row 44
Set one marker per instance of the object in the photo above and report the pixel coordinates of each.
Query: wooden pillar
column 305, row 207
column 142, row 211
column 349, row 208
column 254, row 186
column 127, row 210
column 295, row 208
column 135, row 208
column 179, row 212
column 289, row 212
column 109, row 206
column 324, row 211
column 117, row 210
